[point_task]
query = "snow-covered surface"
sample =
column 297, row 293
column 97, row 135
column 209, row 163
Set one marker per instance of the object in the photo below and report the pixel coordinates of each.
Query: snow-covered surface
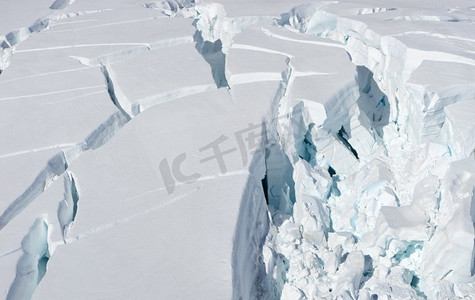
column 141, row 140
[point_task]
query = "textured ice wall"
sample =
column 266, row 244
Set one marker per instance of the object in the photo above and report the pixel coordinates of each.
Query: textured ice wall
column 371, row 141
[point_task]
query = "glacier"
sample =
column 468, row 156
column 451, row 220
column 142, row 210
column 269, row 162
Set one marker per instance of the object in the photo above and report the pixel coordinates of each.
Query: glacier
column 237, row 149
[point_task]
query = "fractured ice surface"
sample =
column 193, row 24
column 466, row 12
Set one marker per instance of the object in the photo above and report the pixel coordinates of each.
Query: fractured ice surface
column 346, row 133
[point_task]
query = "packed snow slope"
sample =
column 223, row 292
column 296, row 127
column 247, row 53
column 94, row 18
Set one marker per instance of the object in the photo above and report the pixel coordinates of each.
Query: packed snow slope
column 259, row 149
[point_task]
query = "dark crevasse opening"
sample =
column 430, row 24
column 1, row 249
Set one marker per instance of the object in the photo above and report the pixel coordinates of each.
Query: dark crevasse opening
column 343, row 137
column 415, row 285
column 308, row 149
column 213, row 53
column 331, row 171
column 111, row 90
column 75, row 197
column 265, row 187
column 279, row 183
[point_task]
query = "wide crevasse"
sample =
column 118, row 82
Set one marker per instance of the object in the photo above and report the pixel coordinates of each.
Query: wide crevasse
column 369, row 200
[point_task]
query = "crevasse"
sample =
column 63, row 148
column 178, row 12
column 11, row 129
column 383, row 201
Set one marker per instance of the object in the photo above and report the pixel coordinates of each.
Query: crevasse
column 368, row 230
